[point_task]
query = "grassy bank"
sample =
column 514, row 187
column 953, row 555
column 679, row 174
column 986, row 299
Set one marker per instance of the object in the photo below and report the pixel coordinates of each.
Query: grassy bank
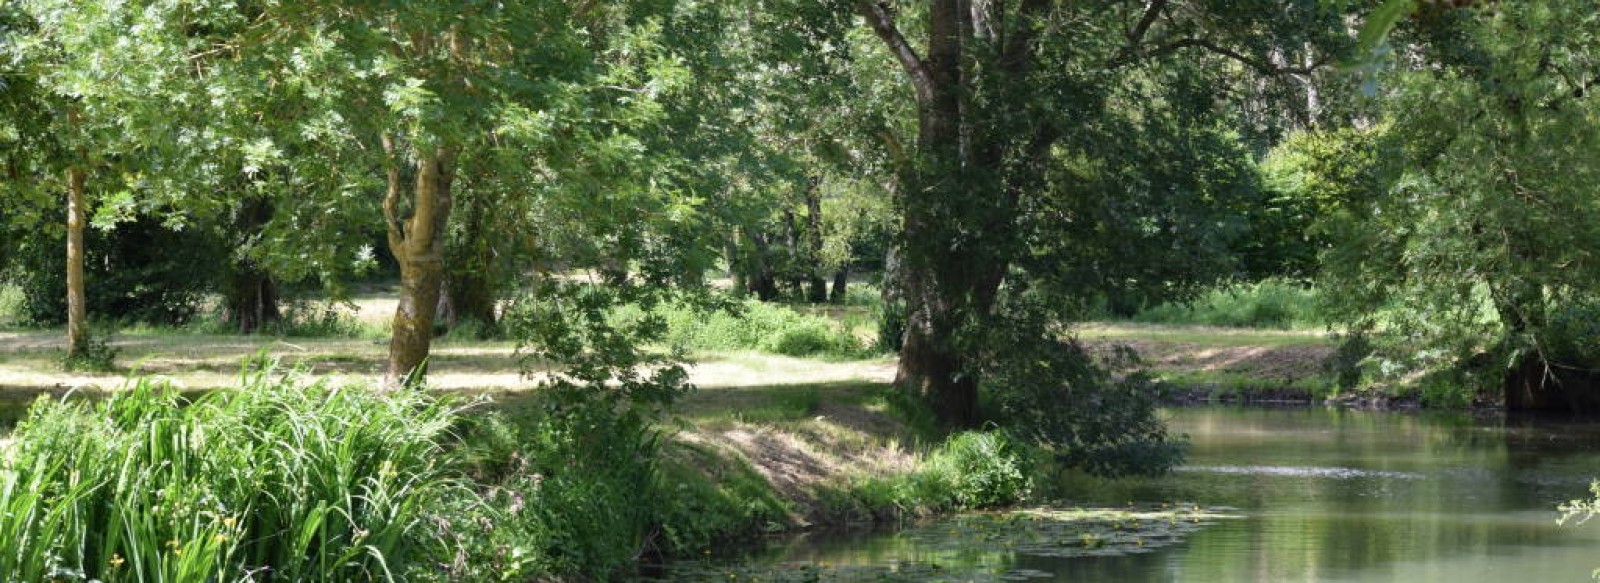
column 318, row 481
column 1207, row 362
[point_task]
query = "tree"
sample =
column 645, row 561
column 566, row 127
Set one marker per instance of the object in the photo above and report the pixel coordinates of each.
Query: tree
column 1004, row 92
column 1479, row 242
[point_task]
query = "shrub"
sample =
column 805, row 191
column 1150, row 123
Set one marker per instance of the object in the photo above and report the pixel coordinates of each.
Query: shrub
column 13, row 305
column 983, row 469
column 969, row 471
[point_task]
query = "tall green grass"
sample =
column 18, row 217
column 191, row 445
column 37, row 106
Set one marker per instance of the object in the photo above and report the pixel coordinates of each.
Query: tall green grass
column 754, row 325
column 283, row 479
column 288, row 479
column 301, row 319
column 1271, row 303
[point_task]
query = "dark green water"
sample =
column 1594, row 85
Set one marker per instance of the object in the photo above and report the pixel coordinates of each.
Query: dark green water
column 1322, row 495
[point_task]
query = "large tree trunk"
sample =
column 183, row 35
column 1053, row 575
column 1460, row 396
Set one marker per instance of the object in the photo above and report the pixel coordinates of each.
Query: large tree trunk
column 77, row 301
column 761, row 279
column 417, row 242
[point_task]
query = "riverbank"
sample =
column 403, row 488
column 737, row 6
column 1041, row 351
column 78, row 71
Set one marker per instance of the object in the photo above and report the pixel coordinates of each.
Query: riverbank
column 767, row 444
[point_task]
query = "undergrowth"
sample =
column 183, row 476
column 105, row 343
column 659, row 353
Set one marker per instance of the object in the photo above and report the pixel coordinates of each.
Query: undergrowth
column 1271, row 303
column 299, row 479
column 969, row 471
column 752, row 325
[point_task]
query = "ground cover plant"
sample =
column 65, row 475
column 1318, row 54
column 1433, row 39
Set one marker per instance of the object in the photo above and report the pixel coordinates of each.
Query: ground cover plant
column 285, row 476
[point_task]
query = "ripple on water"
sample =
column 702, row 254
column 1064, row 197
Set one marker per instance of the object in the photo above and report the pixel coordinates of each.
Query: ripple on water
column 1335, row 473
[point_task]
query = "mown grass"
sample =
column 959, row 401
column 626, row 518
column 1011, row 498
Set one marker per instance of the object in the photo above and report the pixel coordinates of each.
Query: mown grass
column 1202, row 335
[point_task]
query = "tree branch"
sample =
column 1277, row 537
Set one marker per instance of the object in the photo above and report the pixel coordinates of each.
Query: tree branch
column 1151, row 12
column 883, row 25
column 1263, row 67
column 1017, row 47
column 391, row 197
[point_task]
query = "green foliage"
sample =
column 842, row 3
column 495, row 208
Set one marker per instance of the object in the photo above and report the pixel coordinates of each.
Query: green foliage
column 96, row 355
column 1347, row 361
column 583, row 463
column 315, row 482
column 1052, row 393
column 13, row 305
column 969, row 471
column 574, row 473
column 1580, row 511
column 139, row 272
column 1472, row 245
column 751, row 325
column 1271, row 303
column 985, row 469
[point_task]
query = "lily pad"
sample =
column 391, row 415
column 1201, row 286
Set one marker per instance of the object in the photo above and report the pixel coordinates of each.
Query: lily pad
column 982, row 546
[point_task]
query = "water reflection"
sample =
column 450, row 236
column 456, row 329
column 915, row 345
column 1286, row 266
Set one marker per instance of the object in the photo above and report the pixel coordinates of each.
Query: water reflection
column 1326, row 495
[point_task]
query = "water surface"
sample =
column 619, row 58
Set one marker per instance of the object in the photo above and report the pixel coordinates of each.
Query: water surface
column 1321, row 495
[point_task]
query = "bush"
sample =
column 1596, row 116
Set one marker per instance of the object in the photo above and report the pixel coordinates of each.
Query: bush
column 1054, row 394
column 13, row 305
column 984, row 469
column 969, row 471
column 140, row 272
column 1272, row 303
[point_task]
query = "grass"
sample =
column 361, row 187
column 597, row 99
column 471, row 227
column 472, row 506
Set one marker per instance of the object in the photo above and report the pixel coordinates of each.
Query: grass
column 1210, row 336
column 313, row 481
column 1271, row 303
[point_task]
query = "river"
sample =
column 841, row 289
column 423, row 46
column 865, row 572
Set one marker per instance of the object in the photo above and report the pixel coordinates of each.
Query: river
column 1315, row 495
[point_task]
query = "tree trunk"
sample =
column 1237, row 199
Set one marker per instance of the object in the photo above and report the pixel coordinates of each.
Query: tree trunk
column 253, row 299
column 794, row 262
column 469, row 287
column 736, row 268
column 819, row 286
column 841, row 278
column 417, row 242
column 472, row 297
column 761, row 279
column 957, row 207
column 77, row 300
column 252, row 294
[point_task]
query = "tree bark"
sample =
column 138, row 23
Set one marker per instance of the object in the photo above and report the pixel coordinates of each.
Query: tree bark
column 761, row 279
column 417, row 242
column 253, row 299
column 77, row 300
column 841, row 278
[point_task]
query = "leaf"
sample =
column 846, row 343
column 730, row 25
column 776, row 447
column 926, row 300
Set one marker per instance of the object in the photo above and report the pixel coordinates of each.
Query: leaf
column 1379, row 23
